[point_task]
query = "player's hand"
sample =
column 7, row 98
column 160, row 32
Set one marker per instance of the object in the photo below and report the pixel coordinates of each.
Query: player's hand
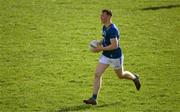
column 99, row 48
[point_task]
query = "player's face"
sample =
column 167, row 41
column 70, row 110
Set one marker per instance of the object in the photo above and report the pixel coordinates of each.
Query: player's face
column 104, row 18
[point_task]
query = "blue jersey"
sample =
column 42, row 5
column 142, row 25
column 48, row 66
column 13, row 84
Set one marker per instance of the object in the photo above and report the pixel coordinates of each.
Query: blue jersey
column 111, row 32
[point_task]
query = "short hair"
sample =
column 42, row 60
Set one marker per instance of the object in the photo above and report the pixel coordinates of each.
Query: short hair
column 107, row 11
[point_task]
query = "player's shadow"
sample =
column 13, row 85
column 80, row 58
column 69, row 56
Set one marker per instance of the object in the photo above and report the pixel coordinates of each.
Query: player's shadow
column 84, row 107
column 160, row 7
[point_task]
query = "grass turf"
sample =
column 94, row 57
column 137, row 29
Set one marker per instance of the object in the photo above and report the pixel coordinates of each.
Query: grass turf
column 45, row 64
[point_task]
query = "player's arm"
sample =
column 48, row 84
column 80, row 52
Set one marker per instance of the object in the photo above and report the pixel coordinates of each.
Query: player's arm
column 112, row 46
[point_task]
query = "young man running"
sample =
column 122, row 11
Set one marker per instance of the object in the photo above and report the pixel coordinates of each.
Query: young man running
column 111, row 55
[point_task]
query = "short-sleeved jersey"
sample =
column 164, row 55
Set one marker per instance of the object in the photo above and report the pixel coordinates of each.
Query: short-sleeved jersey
column 108, row 33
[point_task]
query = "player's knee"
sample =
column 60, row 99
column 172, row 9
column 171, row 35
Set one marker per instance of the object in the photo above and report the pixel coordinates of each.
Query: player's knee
column 120, row 76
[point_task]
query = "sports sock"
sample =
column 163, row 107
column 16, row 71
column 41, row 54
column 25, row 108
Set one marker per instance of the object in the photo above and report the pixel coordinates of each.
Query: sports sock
column 94, row 96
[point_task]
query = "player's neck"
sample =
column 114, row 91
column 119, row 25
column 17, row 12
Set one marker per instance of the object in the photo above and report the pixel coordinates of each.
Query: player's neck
column 108, row 24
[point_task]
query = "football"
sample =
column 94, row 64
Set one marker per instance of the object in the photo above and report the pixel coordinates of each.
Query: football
column 93, row 44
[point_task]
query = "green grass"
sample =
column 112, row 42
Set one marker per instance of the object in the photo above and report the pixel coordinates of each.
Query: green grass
column 45, row 64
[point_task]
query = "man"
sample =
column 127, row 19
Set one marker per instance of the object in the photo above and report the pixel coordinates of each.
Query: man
column 111, row 55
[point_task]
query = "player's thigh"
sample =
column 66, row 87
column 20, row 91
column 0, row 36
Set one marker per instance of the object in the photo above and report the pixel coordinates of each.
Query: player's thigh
column 100, row 68
column 117, row 64
column 119, row 69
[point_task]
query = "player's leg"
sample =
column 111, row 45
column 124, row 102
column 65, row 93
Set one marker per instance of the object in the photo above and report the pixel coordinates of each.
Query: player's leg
column 128, row 75
column 117, row 64
column 97, row 83
column 98, row 77
column 119, row 70
column 124, row 74
column 101, row 67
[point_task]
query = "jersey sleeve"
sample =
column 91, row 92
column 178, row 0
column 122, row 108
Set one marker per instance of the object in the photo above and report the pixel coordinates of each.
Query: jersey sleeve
column 113, row 33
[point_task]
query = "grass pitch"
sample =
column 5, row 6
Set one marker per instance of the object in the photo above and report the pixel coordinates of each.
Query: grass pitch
column 45, row 64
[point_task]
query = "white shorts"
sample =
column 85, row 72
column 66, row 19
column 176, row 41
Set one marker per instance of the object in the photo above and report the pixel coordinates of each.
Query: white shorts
column 114, row 63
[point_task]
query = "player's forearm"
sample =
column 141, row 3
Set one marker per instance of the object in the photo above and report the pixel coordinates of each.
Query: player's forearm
column 110, row 47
